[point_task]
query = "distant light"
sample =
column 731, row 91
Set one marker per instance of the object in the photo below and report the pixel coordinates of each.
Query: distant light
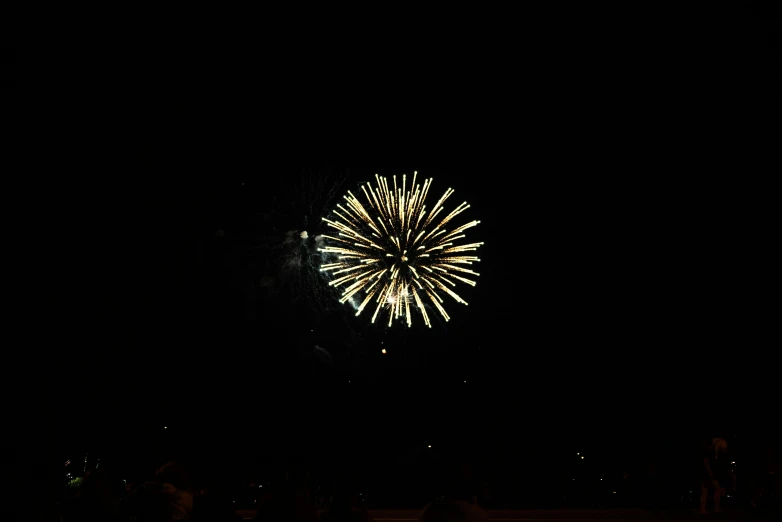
column 601, row 479
column 430, row 445
column 574, row 479
column 165, row 427
column 614, row 492
column 582, row 457
column 578, row 453
column 465, row 381
column 733, row 462
column 383, row 350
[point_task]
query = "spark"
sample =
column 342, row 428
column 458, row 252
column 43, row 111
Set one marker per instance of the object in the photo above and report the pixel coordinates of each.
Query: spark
column 395, row 253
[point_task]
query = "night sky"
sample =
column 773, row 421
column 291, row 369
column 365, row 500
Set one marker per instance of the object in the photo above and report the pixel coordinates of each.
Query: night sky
column 620, row 277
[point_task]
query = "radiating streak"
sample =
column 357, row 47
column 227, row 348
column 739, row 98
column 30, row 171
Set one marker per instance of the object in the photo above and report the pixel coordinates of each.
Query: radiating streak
column 461, row 259
column 398, row 220
column 463, row 279
column 421, row 308
column 437, row 305
column 433, row 233
column 359, row 282
column 370, row 293
column 440, row 278
column 407, row 312
column 352, row 268
column 453, row 294
column 338, row 282
column 335, row 238
column 460, row 269
column 463, row 248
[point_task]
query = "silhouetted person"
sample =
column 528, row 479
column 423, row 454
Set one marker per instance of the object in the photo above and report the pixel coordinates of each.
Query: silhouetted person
column 96, row 501
column 344, row 506
column 449, row 510
column 712, row 469
column 460, row 500
column 168, row 498
column 213, row 504
column 289, row 503
column 652, row 481
column 767, row 480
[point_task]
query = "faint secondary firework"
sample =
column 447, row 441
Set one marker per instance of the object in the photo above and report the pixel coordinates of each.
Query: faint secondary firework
column 395, row 254
column 294, row 259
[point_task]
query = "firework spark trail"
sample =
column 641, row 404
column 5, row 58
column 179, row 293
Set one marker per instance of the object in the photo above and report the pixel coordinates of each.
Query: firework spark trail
column 388, row 249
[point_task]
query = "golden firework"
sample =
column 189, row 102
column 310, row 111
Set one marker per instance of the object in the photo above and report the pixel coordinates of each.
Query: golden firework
column 391, row 250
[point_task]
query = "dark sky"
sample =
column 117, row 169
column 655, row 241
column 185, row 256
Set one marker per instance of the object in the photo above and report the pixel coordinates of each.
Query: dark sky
column 621, row 275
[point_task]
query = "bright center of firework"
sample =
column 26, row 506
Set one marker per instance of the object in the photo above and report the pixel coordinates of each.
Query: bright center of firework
column 395, row 251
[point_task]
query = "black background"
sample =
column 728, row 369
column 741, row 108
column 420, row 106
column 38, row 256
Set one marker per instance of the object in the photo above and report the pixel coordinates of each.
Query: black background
column 615, row 161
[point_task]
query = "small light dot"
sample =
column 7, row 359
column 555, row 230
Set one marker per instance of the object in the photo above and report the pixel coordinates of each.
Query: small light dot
column 430, row 445
column 582, row 457
column 383, row 350
column 165, row 427
column 614, row 492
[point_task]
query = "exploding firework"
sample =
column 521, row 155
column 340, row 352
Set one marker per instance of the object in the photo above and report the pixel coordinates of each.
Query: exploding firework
column 392, row 253
column 293, row 237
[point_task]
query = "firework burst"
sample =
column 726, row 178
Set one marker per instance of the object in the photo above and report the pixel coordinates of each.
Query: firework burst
column 292, row 228
column 396, row 254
